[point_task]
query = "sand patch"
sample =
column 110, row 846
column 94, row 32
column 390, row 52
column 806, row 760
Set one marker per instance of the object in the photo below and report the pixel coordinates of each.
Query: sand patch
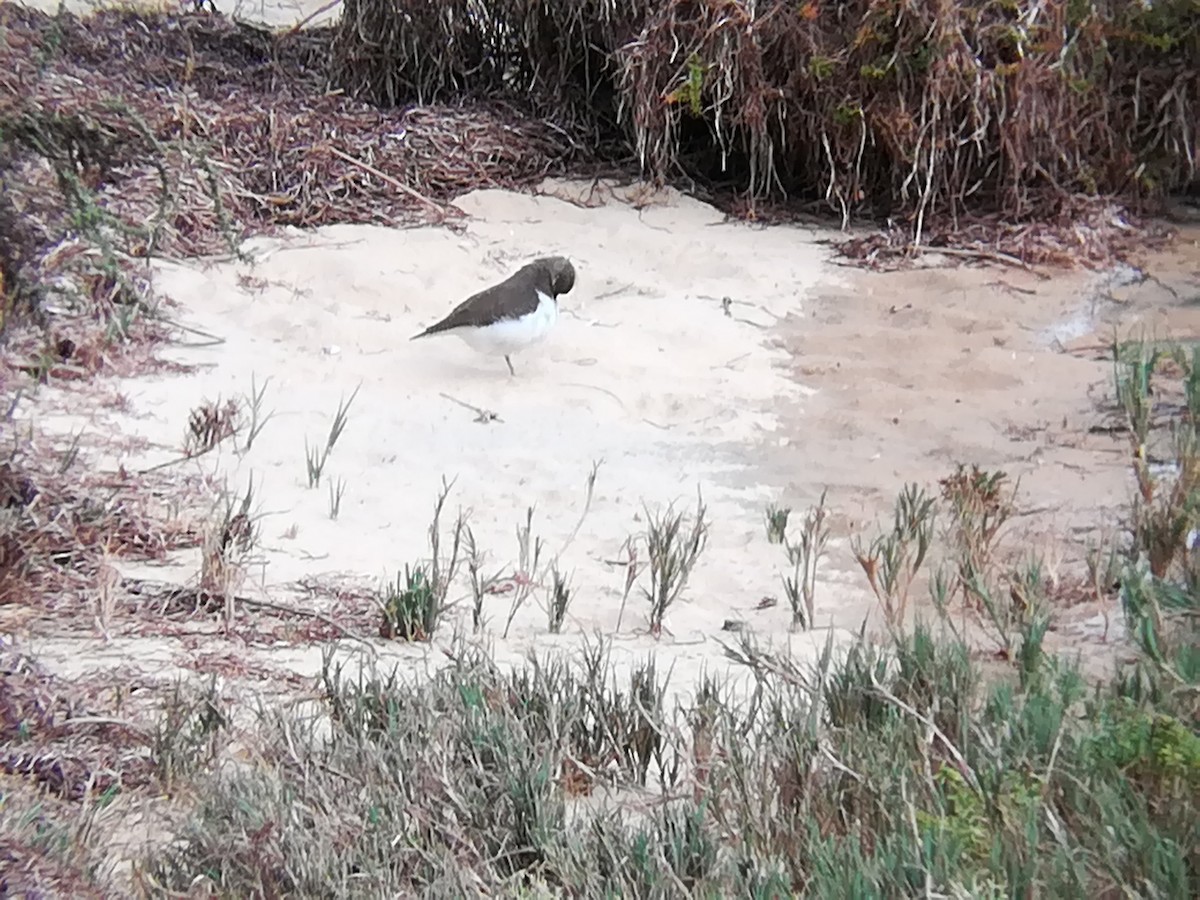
column 268, row 13
column 693, row 352
column 663, row 369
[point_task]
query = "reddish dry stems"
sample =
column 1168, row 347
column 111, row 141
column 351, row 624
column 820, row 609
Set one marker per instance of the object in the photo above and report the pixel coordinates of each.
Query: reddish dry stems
column 62, row 520
column 210, row 101
column 1088, row 231
column 941, row 116
column 209, row 424
column 53, row 733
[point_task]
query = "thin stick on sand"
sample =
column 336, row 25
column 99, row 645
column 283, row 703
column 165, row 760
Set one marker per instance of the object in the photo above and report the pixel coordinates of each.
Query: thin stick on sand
column 312, row 15
column 383, row 176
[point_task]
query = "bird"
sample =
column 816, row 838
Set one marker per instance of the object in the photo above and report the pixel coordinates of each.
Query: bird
column 511, row 316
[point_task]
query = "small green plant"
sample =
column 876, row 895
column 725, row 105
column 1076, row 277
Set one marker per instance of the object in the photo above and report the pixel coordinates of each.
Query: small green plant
column 411, row 607
column 673, row 545
column 252, row 403
column 893, row 559
column 1102, row 559
column 50, row 47
column 874, row 71
column 1154, row 749
column 337, row 488
column 1161, row 617
column 1012, row 607
column 980, row 504
column 1191, row 385
column 1031, row 653
column 188, row 732
column 1166, row 506
column 529, row 557
column 805, row 555
column 315, row 458
column 847, row 114
column 1160, row 581
column 820, row 67
column 559, row 600
column 691, row 92
column 1134, row 363
column 777, row 522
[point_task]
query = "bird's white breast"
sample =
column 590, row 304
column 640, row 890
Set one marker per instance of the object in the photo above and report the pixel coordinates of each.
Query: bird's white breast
column 510, row 336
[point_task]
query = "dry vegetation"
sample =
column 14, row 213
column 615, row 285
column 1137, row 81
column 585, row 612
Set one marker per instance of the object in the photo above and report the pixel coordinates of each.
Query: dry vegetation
column 1008, row 128
column 63, row 522
column 981, row 122
column 896, row 769
column 124, row 137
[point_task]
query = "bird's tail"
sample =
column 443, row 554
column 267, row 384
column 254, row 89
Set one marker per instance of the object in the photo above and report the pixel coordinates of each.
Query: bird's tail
column 434, row 329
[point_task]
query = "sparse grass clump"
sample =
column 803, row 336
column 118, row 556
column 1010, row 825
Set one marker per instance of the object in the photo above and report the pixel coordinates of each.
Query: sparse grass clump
column 980, row 504
column 1157, row 390
column 1158, row 394
column 337, row 490
column 315, row 458
column 50, row 852
column 558, row 600
column 229, row 540
column 800, row 586
column 412, row 606
column 893, row 559
column 252, row 409
column 674, row 542
column 777, row 522
column 189, row 732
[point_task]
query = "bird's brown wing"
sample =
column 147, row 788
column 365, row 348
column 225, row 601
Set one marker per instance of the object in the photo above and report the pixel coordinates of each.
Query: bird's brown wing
column 515, row 296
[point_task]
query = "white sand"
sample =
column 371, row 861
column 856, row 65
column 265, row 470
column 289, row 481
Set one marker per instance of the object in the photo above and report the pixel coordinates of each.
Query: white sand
column 270, row 13
column 645, row 372
column 862, row 385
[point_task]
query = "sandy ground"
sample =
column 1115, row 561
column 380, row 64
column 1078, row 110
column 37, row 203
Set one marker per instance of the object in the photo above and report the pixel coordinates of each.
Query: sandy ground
column 694, row 353
column 810, row 376
column 647, row 374
column 917, row 371
column 271, row 13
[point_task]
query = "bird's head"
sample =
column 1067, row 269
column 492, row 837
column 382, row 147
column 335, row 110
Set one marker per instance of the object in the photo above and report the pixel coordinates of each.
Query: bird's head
column 562, row 273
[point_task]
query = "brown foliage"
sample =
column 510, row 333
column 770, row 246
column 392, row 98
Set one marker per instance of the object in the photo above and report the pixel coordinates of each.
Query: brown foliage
column 914, row 109
column 180, row 134
column 58, row 522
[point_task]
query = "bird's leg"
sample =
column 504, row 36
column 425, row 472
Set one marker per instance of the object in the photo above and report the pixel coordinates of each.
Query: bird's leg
column 511, row 370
